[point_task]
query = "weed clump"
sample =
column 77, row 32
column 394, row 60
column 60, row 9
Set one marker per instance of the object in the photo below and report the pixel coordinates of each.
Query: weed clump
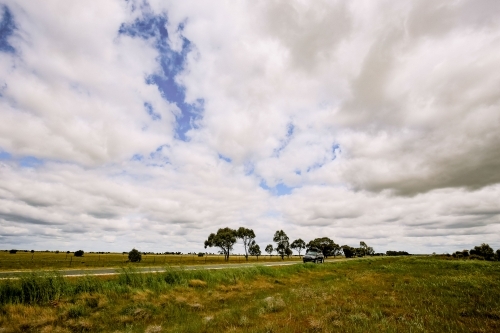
column 195, row 283
column 273, row 304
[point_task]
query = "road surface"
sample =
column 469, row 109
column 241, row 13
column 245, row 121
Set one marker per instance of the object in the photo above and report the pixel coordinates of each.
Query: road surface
column 115, row 271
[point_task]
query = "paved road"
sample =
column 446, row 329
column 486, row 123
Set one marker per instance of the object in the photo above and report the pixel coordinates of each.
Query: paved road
column 114, row 271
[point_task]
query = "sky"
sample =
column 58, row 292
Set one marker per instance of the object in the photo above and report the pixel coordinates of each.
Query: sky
column 151, row 123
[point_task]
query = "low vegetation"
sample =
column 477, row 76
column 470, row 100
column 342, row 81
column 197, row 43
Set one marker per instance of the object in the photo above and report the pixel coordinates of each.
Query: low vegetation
column 383, row 294
column 51, row 260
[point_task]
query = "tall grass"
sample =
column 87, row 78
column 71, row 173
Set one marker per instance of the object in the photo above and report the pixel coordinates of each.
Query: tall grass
column 45, row 287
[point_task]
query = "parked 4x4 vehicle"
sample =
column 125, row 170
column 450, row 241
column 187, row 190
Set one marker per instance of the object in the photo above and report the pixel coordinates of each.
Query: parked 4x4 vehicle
column 313, row 255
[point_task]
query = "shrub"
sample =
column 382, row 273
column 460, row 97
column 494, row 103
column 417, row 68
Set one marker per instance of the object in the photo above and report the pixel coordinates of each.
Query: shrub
column 13, row 251
column 484, row 250
column 134, row 255
column 476, row 257
column 201, row 254
column 79, row 253
column 399, row 253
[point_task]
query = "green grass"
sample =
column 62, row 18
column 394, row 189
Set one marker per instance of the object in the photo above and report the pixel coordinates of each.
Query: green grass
column 370, row 295
column 51, row 260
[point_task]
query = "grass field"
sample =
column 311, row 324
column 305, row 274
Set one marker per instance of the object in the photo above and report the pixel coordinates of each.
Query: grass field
column 51, row 260
column 371, row 295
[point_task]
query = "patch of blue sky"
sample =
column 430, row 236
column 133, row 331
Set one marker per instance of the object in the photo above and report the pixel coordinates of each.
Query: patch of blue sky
column 5, row 155
column 30, row 162
column 154, row 27
column 7, row 27
column 286, row 141
column 315, row 166
column 137, row 157
column 156, row 158
column 278, row 190
column 225, row 158
column 336, row 150
column 249, row 168
column 151, row 112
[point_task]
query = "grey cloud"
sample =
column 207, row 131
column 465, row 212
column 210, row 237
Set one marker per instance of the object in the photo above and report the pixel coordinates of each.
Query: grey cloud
column 310, row 33
column 26, row 219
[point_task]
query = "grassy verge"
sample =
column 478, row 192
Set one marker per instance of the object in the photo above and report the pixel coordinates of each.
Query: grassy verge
column 374, row 295
column 51, row 261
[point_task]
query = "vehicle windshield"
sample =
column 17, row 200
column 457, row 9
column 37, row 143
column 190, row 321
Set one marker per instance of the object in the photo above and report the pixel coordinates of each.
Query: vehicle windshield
column 313, row 253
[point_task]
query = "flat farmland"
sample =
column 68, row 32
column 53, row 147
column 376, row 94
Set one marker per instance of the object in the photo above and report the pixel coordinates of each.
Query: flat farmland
column 50, row 260
column 390, row 294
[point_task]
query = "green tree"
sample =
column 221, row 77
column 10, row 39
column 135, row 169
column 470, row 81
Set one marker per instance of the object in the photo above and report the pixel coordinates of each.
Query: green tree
column 484, row 250
column 359, row 252
column 282, row 243
column 224, row 239
column 134, row 255
column 254, row 249
column 349, row 252
column 247, row 236
column 79, row 253
column 327, row 246
column 269, row 249
column 298, row 245
column 363, row 247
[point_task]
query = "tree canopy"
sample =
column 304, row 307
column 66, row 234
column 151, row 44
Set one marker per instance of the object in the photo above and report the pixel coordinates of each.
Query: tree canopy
column 298, row 245
column 254, row 249
column 247, row 236
column 224, row 239
column 349, row 252
column 134, row 255
column 282, row 243
column 483, row 250
column 327, row 246
column 269, row 249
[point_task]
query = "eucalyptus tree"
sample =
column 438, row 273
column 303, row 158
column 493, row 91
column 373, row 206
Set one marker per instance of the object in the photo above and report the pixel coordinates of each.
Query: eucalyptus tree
column 269, row 249
column 254, row 249
column 224, row 239
column 298, row 245
column 282, row 243
column 327, row 246
column 247, row 236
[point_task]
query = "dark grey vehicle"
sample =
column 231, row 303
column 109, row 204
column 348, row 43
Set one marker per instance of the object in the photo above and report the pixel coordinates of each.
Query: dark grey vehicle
column 314, row 256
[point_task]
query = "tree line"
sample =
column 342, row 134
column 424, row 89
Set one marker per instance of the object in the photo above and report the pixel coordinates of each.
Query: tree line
column 481, row 252
column 225, row 238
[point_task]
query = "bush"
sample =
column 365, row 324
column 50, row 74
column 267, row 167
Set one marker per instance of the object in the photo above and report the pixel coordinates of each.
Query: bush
column 134, row 256
column 201, row 254
column 79, row 253
column 13, row 251
column 484, row 250
column 475, row 257
column 399, row 253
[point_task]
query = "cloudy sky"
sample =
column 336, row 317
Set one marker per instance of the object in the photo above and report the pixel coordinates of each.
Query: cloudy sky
column 151, row 124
